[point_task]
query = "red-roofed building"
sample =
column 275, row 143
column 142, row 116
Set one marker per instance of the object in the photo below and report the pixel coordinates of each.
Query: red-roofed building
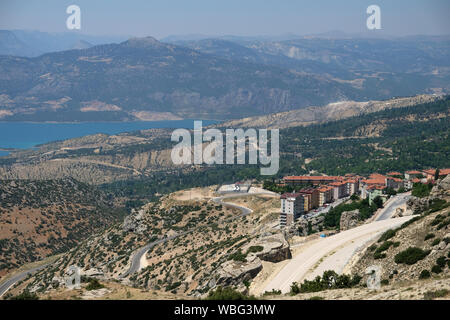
column 412, row 174
column 430, row 173
column 394, row 173
column 313, row 197
column 325, row 195
column 315, row 180
column 351, row 186
column 339, row 189
column 394, row 183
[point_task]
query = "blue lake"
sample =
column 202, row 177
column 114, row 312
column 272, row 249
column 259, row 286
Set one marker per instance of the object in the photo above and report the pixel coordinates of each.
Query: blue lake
column 21, row 135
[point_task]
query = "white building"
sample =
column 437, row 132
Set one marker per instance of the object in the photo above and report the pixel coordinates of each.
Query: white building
column 292, row 207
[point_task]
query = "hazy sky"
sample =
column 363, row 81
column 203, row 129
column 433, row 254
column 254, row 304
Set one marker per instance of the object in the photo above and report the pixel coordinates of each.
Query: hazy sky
column 160, row 18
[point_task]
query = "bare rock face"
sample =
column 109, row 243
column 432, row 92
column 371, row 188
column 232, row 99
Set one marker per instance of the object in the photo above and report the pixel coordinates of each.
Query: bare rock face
column 275, row 248
column 418, row 205
column 233, row 273
column 301, row 227
column 93, row 272
column 399, row 212
column 440, row 191
column 134, row 223
column 349, row 219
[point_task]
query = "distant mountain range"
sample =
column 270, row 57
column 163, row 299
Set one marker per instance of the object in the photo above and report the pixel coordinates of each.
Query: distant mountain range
column 29, row 43
column 143, row 78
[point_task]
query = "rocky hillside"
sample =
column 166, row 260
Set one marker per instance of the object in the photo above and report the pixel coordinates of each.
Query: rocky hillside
column 41, row 218
column 385, row 135
column 94, row 159
column 143, row 78
column 202, row 245
column 419, row 249
column 142, row 75
column 322, row 114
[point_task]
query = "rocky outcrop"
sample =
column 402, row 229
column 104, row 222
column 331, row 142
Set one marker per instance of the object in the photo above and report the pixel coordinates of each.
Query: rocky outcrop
column 440, row 191
column 275, row 248
column 301, row 226
column 418, row 205
column 134, row 222
column 349, row 219
column 234, row 273
column 400, row 212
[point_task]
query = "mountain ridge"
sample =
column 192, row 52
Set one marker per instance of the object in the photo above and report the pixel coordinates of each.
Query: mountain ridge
column 216, row 79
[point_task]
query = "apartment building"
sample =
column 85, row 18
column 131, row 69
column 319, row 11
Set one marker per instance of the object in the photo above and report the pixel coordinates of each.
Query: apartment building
column 314, row 180
column 412, row 174
column 292, row 207
column 430, row 173
column 375, row 191
column 351, row 186
column 313, row 197
column 325, row 195
column 394, row 183
column 339, row 190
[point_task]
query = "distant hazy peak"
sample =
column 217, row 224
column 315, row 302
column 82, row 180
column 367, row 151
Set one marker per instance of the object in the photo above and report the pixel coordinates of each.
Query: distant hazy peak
column 143, row 42
column 81, row 44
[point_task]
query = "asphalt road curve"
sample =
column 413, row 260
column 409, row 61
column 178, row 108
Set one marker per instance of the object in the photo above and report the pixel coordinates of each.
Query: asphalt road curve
column 136, row 258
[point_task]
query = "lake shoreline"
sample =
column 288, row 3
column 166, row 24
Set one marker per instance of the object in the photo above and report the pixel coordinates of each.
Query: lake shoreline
column 17, row 136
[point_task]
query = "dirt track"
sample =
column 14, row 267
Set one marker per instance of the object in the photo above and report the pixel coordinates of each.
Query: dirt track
column 331, row 253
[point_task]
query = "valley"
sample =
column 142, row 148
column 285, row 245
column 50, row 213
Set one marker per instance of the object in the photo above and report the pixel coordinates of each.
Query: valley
column 151, row 229
column 234, row 250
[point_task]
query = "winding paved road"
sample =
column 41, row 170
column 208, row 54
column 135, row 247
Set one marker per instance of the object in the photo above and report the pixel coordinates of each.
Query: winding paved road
column 394, row 203
column 18, row 277
column 136, row 258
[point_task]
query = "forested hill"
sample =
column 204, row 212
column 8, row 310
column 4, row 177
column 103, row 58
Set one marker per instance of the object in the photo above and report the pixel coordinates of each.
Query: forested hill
column 137, row 165
column 392, row 139
column 41, row 218
column 145, row 79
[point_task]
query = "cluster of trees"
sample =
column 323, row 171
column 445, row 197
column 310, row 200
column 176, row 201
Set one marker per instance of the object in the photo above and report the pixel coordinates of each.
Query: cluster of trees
column 402, row 144
column 421, row 190
column 227, row 293
column 413, row 144
column 329, row 280
column 272, row 186
column 333, row 217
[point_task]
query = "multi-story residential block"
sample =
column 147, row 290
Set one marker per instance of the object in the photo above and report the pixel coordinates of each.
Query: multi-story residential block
column 314, row 180
column 351, row 186
column 374, row 192
column 292, row 207
column 313, row 197
column 334, row 192
column 394, row 183
column 339, row 190
column 374, row 180
column 407, row 184
column 306, row 202
column 325, row 195
column 430, row 173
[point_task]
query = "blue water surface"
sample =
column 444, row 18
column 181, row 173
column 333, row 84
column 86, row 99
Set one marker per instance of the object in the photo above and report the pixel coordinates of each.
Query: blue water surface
column 22, row 135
